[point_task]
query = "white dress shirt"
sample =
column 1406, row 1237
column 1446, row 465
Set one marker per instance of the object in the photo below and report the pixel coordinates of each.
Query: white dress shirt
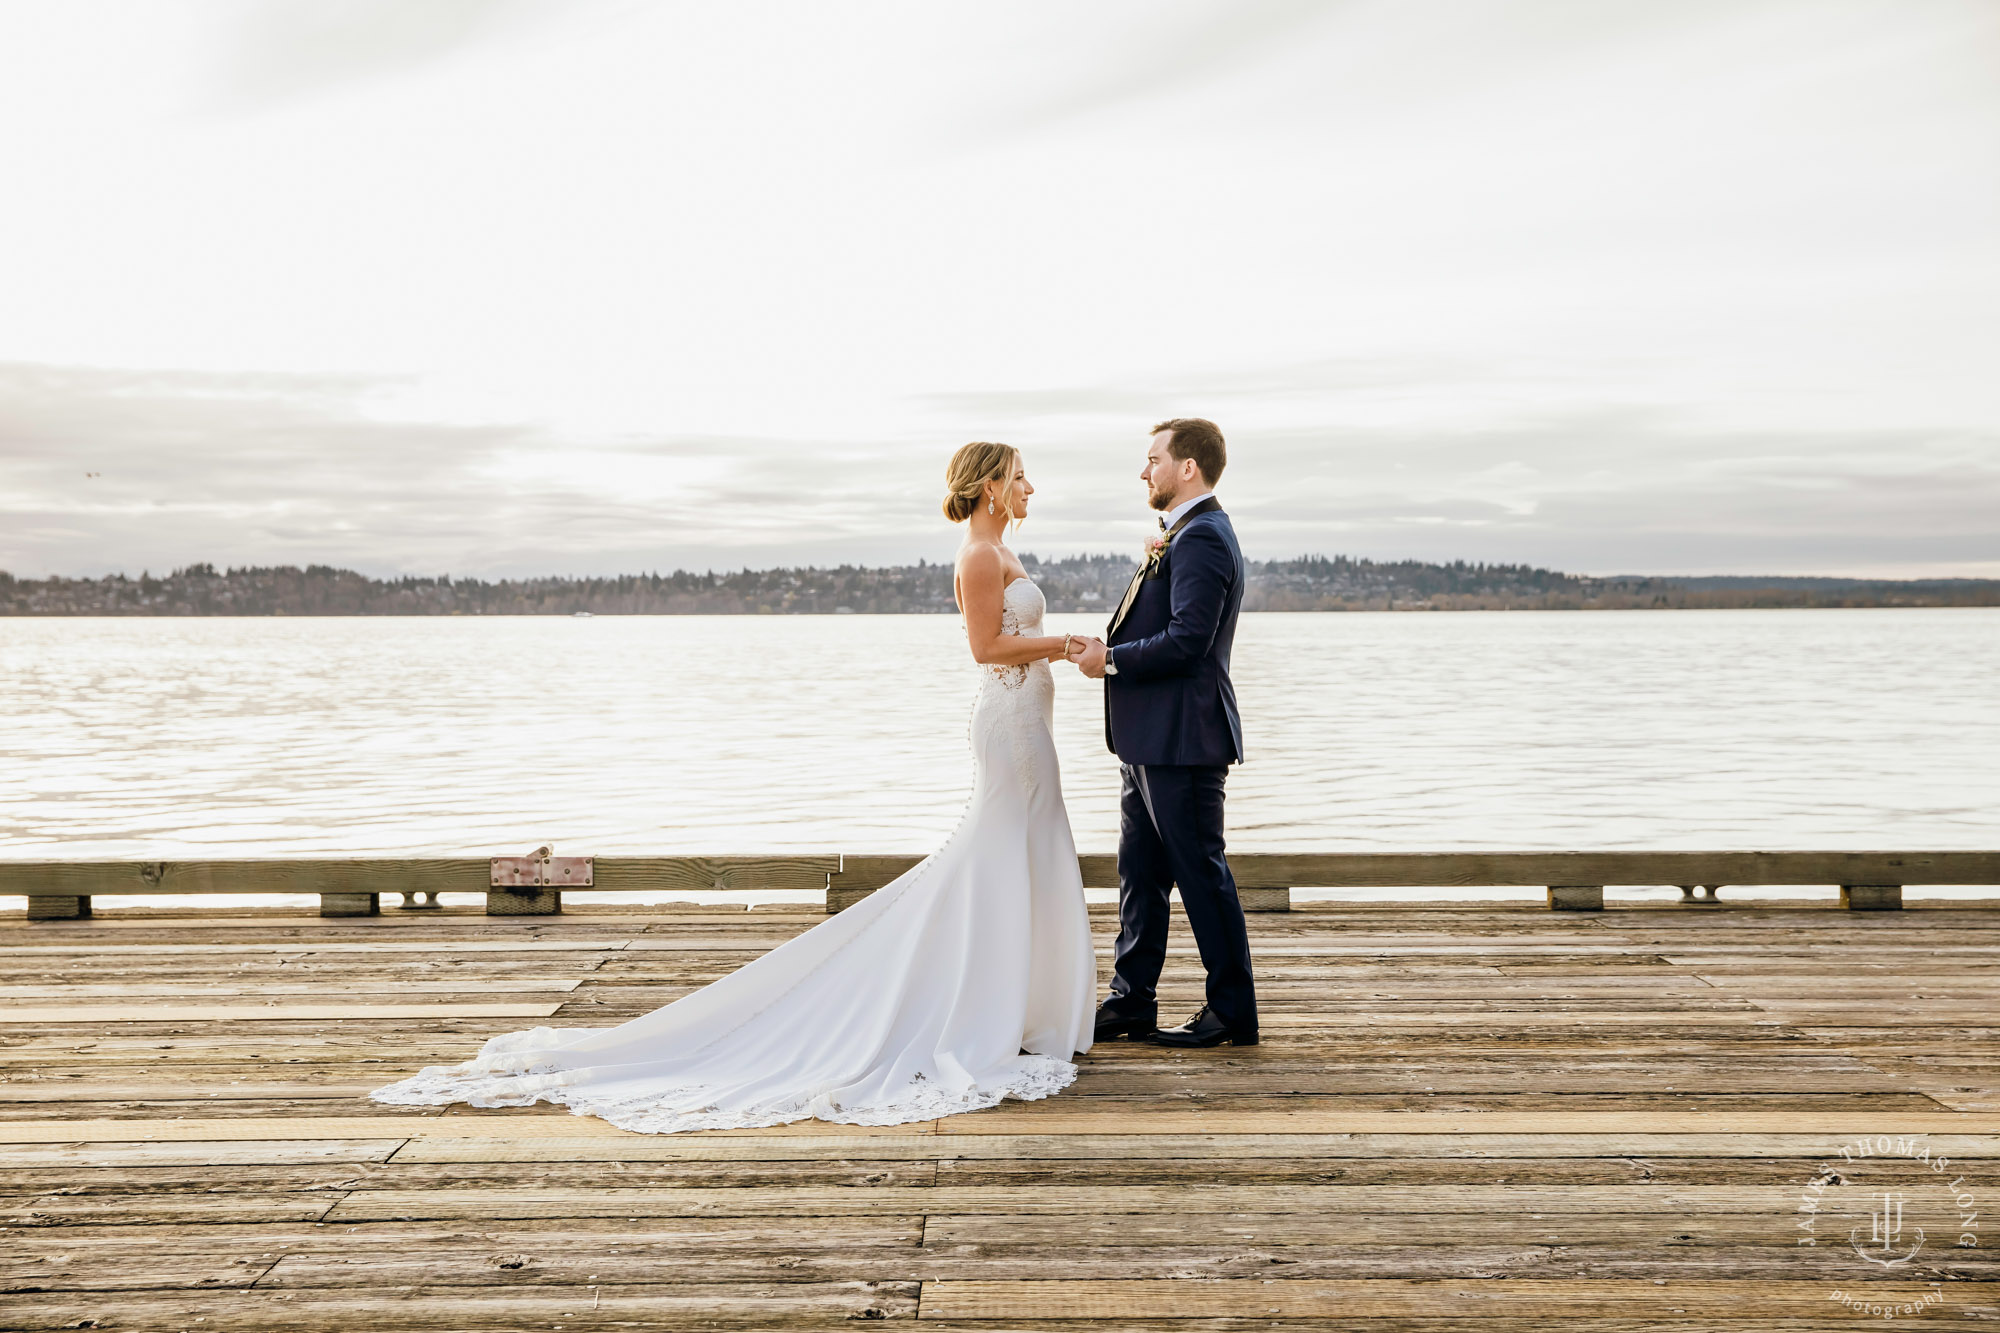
column 1174, row 516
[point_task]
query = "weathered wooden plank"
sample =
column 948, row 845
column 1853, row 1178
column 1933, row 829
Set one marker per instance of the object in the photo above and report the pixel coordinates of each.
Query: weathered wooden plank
column 751, row 1235
column 1671, row 1229
column 1436, row 1165
column 1189, row 1148
column 97, row 949
column 464, row 915
column 1521, row 1092
column 27, row 1015
column 526, row 1202
column 64, row 1091
column 1247, row 1093
column 386, row 1118
column 1854, row 988
column 1270, row 1021
column 731, row 944
column 1057, row 1116
column 1705, row 1298
column 835, row 1172
column 1304, row 997
column 1219, row 1113
column 253, row 1152
column 61, row 1269
column 405, row 1120
column 770, row 1304
column 68, row 1210
column 622, row 874
column 1064, row 1116
column 210, row 989
column 268, row 875
column 1377, row 1060
column 1498, row 949
column 361, row 875
column 1578, row 1254
column 1829, row 959
column 1534, row 869
column 75, row 881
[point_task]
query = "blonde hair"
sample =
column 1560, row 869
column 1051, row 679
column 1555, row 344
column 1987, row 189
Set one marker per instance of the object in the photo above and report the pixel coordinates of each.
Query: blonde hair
column 974, row 465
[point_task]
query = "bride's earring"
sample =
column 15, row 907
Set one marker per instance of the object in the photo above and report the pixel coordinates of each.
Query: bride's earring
column 989, row 506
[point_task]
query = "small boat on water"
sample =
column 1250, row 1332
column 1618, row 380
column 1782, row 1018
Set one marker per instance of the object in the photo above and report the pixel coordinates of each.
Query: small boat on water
column 579, row 615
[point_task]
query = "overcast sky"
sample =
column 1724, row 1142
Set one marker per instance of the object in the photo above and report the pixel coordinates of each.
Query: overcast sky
column 502, row 287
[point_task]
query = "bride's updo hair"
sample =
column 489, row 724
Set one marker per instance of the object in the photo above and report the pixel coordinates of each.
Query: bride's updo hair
column 970, row 469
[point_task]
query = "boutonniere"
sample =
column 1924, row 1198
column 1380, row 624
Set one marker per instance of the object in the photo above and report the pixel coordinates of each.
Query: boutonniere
column 1156, row 548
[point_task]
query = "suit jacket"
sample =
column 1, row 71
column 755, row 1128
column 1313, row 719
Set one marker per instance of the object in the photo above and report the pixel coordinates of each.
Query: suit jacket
column 1171, row 701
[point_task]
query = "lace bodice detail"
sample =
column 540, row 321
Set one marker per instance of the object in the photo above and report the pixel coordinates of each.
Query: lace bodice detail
column 1021, row 608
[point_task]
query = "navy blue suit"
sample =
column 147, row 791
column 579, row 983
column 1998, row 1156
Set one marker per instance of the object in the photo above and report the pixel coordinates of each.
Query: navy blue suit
column 1170, row 717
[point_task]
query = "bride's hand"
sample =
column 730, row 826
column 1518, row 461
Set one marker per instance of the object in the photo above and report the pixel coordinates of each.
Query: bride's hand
column 1061, row 652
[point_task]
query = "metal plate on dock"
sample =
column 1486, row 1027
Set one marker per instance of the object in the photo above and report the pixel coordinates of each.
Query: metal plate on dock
column 529, row 872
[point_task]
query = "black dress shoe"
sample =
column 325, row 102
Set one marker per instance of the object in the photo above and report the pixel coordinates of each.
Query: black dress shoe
column 1204, row 1029
column 1114, row 1027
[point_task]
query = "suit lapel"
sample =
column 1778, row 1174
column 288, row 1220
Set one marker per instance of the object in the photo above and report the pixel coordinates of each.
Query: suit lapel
column 1125, row 602
column 1208, row 505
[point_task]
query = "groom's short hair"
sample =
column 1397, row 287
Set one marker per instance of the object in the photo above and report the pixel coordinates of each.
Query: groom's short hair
column 1200, row 440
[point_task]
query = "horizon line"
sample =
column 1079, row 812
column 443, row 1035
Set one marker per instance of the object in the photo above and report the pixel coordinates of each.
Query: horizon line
column 712, row 571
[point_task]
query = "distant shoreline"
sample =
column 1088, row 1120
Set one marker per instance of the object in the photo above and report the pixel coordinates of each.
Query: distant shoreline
column 1074, row 584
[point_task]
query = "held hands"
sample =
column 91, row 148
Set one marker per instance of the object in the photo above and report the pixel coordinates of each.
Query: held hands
column 1088, row 654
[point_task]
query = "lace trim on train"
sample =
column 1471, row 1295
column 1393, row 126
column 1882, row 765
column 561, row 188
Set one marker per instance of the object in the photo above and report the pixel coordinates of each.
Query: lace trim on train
column 486, row 1082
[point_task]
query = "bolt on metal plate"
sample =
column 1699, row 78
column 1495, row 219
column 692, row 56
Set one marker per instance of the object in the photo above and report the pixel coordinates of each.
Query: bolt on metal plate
column 545, row 872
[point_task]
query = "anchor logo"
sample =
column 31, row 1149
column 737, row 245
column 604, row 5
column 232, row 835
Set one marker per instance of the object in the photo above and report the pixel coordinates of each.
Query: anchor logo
column 1885, row 1229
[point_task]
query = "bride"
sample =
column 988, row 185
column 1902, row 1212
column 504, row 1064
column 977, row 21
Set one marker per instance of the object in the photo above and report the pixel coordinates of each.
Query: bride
column 968, row 979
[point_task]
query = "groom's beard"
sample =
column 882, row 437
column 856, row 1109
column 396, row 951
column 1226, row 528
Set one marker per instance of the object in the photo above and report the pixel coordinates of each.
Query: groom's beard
column 1161, row 500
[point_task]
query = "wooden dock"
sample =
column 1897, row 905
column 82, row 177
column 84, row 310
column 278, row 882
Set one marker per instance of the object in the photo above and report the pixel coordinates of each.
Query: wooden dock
column 1462, row 1116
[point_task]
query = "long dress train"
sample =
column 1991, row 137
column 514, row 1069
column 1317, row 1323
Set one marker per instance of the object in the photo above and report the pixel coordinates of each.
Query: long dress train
column 968, row 979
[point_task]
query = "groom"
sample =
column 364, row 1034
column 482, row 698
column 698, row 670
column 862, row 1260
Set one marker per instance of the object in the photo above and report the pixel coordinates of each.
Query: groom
column 1170, row 717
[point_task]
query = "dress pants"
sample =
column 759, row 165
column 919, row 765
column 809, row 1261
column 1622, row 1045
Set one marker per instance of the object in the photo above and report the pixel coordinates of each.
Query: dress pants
column 1170, row 832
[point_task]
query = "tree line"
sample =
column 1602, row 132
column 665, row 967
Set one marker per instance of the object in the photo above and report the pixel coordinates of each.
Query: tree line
column 1076, row 583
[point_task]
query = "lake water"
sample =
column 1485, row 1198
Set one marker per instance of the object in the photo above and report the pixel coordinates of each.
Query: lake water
column 159, row 738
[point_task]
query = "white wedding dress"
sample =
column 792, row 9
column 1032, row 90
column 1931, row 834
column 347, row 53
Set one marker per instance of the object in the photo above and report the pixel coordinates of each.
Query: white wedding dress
column 968, row 979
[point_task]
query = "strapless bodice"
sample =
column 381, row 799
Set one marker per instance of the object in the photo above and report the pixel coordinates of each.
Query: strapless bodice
column 1021, row 607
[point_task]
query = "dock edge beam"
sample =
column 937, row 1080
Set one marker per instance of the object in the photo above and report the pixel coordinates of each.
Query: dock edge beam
column 58, row 906
column 1253, row 900
column 1576, row 897
column 523, row 902
column 1871, row 897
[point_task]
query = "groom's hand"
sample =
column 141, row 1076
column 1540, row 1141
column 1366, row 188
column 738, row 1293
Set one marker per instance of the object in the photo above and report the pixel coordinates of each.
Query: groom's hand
column 1089, row 657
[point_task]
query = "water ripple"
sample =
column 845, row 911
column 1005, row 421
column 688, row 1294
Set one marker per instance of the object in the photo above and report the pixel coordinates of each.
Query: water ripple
column 163, row 738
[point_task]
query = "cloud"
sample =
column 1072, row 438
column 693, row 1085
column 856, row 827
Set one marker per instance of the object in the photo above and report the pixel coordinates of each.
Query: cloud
column 282, row 49
column 1166, row 50
column 1153, row 397
column 1637, row 490
column 106, row 470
